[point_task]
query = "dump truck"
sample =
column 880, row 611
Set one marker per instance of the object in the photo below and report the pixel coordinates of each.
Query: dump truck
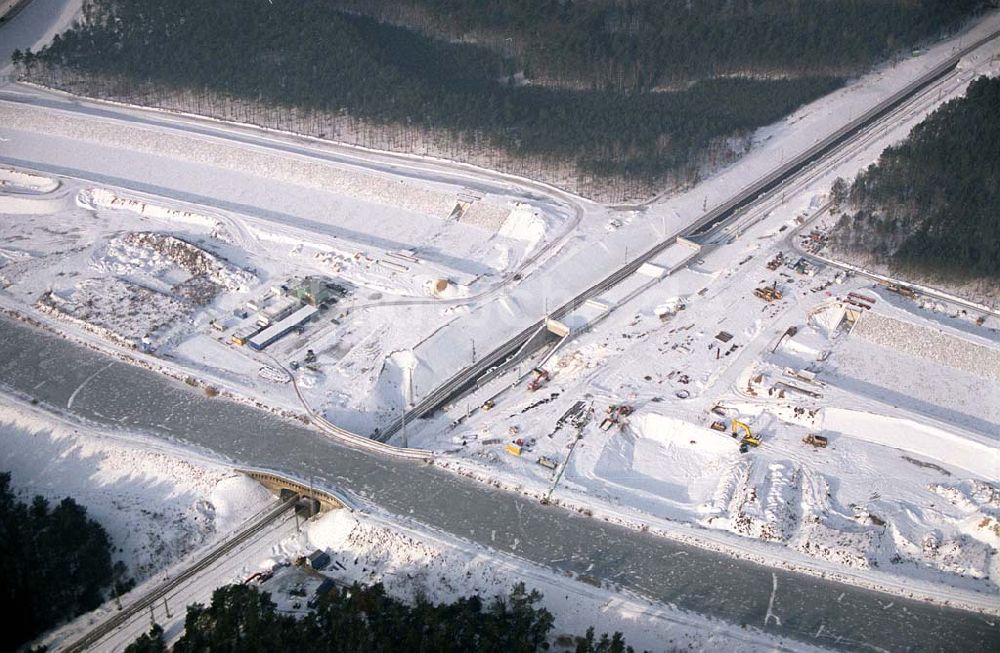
column 545, row 461
column 768, row 293
column 818, row 441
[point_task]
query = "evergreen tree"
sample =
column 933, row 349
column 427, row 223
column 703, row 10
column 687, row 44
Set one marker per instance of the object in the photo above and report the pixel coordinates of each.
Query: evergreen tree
column 56, row 564
column 151, row 642
column 931, row 204
column 364, row 618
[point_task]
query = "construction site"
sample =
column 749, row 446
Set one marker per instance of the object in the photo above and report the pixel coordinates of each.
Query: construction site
column 756, row 394
column 696, row 367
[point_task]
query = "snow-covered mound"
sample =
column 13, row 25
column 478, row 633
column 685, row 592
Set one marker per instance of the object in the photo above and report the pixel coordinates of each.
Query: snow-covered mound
column 930, row 343
column 155, row 253
column 920, row 438
column 678, row 435
column 101, row 198
column 665, row 457
column 27, row 180
column 524, row 224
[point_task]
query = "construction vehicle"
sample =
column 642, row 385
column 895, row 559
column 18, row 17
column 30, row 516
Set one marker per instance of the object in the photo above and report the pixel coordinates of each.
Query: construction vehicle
column 616, row 415
column 768, row 293
column 547, row 462
column 776, row 262
column 789, row 333
column 818, row 441
column 802, row 266
column 718, row 425
column 861, row 298
column 748, row 437
column 541, row 378
column 904, row 291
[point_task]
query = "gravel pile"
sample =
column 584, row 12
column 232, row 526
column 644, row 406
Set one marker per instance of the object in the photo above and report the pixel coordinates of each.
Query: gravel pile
column 929, row 344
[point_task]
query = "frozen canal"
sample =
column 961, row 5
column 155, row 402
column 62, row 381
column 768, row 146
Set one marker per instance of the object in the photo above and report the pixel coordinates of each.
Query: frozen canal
column 92, row 386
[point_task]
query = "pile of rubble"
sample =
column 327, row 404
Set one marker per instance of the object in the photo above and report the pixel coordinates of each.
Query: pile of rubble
column 192, row 259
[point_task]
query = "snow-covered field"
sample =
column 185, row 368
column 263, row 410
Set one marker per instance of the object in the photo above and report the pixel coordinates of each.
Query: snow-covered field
column 903, row 498
column 157, row 503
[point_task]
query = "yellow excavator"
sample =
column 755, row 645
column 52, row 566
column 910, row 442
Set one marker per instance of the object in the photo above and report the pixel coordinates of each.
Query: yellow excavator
column 748, row 436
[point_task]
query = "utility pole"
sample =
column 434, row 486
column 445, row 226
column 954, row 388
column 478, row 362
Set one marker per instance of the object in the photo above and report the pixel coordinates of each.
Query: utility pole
column 473, row 341
column 166, row 608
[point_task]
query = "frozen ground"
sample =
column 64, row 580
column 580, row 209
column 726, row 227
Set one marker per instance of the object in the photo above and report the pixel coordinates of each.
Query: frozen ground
column 157, row 503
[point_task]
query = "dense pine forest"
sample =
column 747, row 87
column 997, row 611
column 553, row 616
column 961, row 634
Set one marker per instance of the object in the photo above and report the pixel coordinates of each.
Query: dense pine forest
column 931, row 205
column 644, row 45
column 55, row 564
column 610, row 99
column 364, row 618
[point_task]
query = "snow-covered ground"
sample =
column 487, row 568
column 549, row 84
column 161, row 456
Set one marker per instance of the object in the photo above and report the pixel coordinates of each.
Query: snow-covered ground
column 158, row 503
column 411, row 562
column 177, row 281
column 903, row 498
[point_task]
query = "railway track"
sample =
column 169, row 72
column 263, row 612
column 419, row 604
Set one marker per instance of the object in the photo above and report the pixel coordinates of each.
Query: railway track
column 142, row 603
column 707, row 224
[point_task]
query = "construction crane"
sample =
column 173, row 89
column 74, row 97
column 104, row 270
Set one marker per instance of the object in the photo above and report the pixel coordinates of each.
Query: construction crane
column 789, row 333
